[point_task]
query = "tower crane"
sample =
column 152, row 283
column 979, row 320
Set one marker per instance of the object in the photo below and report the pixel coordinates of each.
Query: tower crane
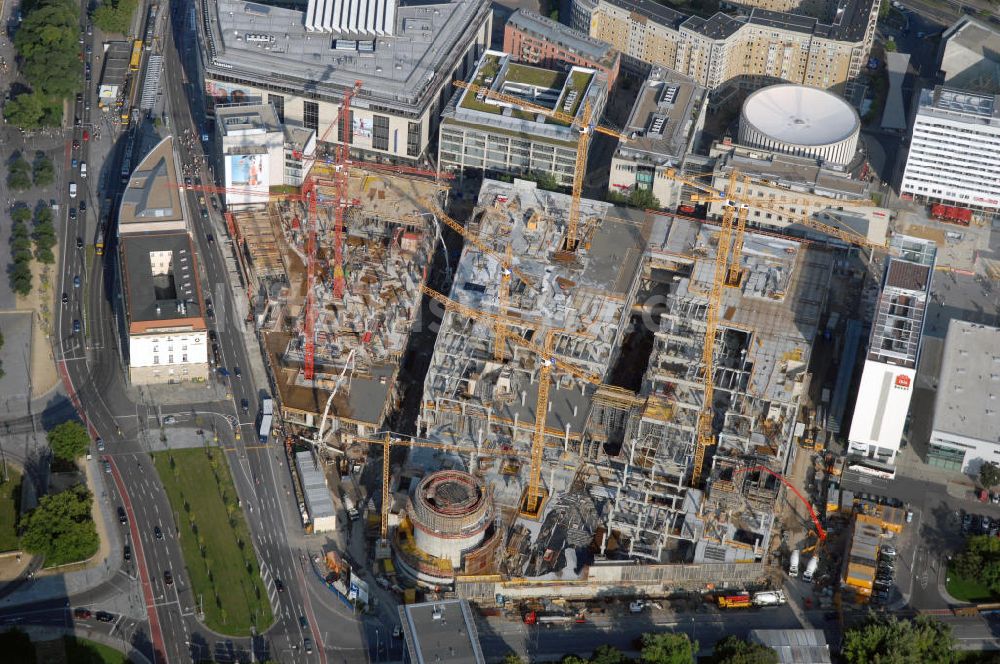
column 586, row 125
column 534, row 494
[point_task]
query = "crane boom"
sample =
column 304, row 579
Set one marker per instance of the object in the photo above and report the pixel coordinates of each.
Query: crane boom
column 340, row 177
column 578, row 172
column 309, row 366
column 535, row 494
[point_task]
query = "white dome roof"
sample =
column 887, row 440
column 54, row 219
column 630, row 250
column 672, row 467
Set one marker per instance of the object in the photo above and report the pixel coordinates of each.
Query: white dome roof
column 799, row 115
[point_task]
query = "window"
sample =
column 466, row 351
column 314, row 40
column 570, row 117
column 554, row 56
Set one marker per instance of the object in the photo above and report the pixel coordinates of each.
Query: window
column 310, row 115
column 380, row 132
column 184, row 358
column 340, row 129
column 156, row 359
column 279, row 105
column 413, row 140
column 170, row 359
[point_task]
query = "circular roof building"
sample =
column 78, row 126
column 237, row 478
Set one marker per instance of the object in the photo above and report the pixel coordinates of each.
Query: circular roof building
column 450, row 512
column 802, row 121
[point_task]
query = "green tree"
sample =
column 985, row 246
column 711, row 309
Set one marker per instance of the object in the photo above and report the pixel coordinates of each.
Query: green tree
column 606, row 654
column 667, row 648
column 19, row 175
column 733, row 650
column 890, row 46
column 43, row 172
column 544, row 180
column 637, row 198
column 47, row 43
column 116, row 17
column 989, row 474
column 21, row 214
column 69, row 440
column 573, row 659
column 61, row 528
column 26, row 111
column 20, row 278
column 512, row 658
column 888, row 640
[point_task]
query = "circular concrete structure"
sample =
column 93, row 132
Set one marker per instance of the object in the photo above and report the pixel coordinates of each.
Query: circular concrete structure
column 450, row 512
column 802, row 121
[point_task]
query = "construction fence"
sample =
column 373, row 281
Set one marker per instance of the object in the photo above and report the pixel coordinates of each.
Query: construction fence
column 615, row 580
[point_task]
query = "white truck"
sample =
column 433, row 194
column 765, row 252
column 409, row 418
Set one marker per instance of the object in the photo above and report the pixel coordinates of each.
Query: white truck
column 811, row 569
column 793, row 564
column 350, row 507
column 769, row 598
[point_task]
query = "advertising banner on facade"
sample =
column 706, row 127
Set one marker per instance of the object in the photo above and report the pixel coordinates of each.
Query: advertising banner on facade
column 247, row 178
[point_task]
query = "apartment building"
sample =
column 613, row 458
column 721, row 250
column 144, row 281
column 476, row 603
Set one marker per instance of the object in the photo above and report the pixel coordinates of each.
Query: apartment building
column 747, row 51
column 536, row 40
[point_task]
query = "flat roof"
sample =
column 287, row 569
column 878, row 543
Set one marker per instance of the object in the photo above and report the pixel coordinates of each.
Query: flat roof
column 971, row 56
column 663, row 118
column 800, row 115
column 557, row 90
column 849, row 20
column 789, row 171
column 795, row 646
column 242, row 119
column 443, row 631
column 161, row 282
column 968, row 393
column 152, row 200
column 402, row 69
column 564, row 36
column 317, row 493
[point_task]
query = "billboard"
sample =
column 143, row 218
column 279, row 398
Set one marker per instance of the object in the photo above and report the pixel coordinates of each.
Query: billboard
column 247, row 179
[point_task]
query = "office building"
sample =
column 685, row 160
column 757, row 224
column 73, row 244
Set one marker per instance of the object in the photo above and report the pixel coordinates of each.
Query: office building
column 793, row 186
column 258, row 152
column 499, row 137
column 894, row 346
column 954, row 155
column 536, row 40
column 663, row 127
column 747, row 50
column 303, row 59
column 966, row 429
column 970, row 56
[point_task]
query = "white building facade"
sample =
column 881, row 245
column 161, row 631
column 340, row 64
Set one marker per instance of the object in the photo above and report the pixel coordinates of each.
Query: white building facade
column 966, row 430
column 888, row 379
column 954, row 153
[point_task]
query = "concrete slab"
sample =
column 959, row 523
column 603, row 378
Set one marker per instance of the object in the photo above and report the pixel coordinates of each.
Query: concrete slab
column 15, row 385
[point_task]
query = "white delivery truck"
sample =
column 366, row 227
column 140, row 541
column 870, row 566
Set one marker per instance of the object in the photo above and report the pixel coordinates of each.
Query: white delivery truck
column 793, row 564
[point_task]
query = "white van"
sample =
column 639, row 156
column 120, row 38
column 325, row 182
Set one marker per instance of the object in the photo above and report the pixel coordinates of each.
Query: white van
column 72, row 190
column 83, row 169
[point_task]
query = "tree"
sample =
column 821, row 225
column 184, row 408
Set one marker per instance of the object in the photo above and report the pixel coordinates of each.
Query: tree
column 989, row 474
column 512, row 658
column 47, row 43
column 21, row 214
column 606, row 654
column 26, row 111
column 116, row 17
column 733, row 650
column 890, row 46
column 43, row 172
column 888, row 640
column 61, row 528
column 69, row 440
column 637, row 198
column 667, row 648
column 18, row 176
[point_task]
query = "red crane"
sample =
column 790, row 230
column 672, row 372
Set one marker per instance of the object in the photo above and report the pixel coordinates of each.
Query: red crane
column 309, row 191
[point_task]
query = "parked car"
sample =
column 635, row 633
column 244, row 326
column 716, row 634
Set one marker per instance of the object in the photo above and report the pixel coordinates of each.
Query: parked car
column 966, row 522
column 72, row 190
column 104, row 616
column 170, row 419
column 237, row 373
column 307, row 644
column 303, row 623
column 245, row 406
column 107, row 466
column 82, row 614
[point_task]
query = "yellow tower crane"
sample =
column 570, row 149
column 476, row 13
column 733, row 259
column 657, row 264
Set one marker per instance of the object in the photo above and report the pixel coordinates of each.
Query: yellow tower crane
column 534, row 495
column 586, row 126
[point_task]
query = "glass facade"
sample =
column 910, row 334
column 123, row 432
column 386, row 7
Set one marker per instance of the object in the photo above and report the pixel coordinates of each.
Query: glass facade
column 945, row 457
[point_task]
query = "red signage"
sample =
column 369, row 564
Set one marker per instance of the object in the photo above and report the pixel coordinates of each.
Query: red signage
column 903, row 381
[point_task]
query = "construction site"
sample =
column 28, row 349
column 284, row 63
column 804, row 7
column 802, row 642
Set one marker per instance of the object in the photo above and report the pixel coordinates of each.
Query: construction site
column 359, row 333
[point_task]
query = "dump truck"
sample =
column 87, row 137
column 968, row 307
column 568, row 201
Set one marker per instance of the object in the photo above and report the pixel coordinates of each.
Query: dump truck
column 735, row 601
column 769, row 598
